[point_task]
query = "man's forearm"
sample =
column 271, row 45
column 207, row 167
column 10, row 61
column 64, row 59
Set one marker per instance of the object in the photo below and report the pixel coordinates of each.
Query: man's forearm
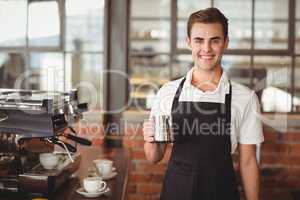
column 250, row 179
column 154, row 151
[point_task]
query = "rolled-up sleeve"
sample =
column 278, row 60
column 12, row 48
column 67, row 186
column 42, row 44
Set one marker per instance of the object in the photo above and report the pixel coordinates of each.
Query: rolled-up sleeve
column 250, row 131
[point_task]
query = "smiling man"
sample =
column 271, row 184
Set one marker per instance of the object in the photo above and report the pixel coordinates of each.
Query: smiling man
column 213, row 117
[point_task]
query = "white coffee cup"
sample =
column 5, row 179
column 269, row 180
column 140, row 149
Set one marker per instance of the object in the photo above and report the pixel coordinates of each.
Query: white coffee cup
column 49, row 160
column 93, row 184
column 104, row 166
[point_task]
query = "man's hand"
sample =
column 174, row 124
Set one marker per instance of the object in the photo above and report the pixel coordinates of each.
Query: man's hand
column 148, row 130
column 154, row 151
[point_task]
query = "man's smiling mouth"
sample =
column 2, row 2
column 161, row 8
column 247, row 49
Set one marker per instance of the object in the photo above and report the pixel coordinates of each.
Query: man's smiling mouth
column 206, row 57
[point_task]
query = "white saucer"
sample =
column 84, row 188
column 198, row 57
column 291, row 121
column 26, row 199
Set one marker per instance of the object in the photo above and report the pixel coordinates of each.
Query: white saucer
column 110, row 176
column 92, row 194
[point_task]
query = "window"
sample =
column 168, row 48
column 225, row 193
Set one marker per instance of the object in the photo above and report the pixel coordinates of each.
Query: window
column 43, row 24
column 53, row 45
column 13, row 34
column 264, row 42
column 149, row 49
column 271, row 24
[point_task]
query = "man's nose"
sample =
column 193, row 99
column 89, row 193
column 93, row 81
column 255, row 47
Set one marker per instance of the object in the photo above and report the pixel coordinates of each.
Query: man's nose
column 206, row 47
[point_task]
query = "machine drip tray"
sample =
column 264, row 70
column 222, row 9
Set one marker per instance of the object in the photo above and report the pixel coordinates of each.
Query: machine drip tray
column 40, row 180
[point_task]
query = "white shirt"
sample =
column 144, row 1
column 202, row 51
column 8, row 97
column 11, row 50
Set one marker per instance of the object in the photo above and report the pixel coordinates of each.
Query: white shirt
column 246, row 126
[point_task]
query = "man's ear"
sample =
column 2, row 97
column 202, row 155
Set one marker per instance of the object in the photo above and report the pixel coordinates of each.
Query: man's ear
column 188, row 42
column 226, row 42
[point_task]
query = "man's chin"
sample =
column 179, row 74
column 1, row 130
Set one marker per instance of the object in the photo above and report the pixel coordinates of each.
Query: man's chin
column 205, row 67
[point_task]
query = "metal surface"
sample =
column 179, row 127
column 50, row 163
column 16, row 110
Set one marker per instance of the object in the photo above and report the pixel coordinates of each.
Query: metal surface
column 38, row 113
column 31, row 123
column 163, row 128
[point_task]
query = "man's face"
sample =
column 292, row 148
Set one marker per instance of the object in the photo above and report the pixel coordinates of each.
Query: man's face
column 207, row 43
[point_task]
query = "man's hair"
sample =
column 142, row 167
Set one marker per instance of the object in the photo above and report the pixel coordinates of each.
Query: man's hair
column 208, row 15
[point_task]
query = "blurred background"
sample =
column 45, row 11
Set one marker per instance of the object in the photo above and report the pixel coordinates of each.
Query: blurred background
column 118, row 53
column 61, row 43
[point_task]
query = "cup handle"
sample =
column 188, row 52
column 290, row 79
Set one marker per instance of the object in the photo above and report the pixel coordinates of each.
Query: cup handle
column 102, row 187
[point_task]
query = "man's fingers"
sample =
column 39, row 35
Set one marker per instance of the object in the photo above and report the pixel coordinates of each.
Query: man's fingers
column 149, row 139
column 148, row 131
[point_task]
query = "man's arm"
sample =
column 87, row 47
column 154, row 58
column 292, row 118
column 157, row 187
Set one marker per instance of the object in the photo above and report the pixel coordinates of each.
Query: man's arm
column 154, row 151
column 249, row 171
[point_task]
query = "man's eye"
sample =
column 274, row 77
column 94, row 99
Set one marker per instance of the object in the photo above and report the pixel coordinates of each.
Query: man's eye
column 216, row 41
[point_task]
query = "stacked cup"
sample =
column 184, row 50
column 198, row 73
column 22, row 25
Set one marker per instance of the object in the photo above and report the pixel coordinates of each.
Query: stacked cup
column 104, row 166
column 94, row 184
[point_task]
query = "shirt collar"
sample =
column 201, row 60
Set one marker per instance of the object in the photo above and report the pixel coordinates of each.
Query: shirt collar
column 223, row 83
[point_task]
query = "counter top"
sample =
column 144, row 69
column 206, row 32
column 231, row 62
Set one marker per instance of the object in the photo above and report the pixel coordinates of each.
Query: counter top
column 117, row 185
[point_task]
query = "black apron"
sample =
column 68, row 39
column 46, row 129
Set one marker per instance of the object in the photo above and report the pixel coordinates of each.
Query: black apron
column 200, row 167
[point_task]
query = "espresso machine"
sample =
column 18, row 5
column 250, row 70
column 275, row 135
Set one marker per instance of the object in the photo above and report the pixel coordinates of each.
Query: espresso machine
column 33, row 122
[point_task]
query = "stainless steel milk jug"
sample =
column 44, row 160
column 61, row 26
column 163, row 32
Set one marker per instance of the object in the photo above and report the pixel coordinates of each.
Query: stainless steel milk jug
column 163, row 128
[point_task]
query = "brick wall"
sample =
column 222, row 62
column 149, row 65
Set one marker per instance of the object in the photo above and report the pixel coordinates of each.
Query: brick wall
column 145, row 180
column 280, row 162
column 280, row 166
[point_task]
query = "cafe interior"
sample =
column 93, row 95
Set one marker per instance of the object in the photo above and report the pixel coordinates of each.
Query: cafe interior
column 79, row 77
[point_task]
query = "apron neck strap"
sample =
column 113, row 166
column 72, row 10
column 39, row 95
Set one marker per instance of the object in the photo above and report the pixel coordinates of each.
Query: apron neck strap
column 177, row 94
column 227, row 99
column 228, row 102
